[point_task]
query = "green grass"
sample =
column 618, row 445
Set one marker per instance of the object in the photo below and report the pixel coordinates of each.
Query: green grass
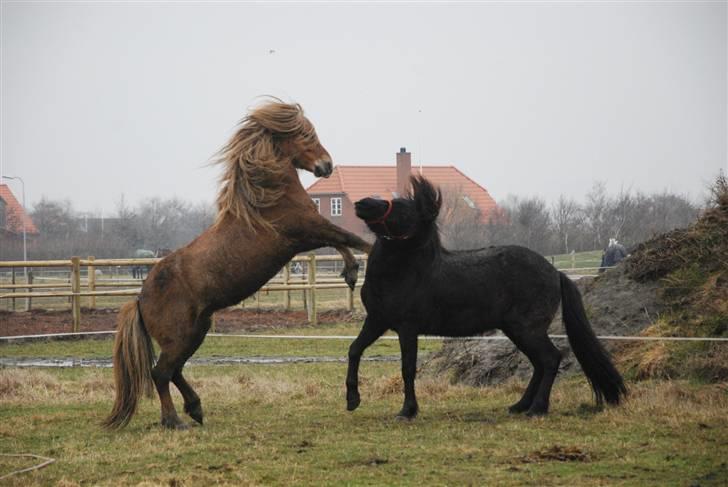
column 286, row 424
column 592, row 258
column 227, row 346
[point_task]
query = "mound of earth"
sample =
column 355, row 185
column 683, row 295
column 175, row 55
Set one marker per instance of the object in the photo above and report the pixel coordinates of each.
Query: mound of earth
column 675, row 284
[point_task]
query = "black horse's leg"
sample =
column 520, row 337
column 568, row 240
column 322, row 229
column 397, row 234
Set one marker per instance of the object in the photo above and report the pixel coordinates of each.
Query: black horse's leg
column 546, row 359
column 193, row 406
column 408, row 347
column 527, row 399
column 368, row 335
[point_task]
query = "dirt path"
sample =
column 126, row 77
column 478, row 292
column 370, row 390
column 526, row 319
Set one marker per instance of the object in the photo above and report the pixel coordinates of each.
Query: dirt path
column 226, row 321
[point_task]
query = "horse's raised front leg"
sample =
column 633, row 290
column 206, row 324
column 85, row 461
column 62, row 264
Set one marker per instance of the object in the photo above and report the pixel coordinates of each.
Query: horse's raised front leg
column 351, row 267
column 368, row 335
column 320, row 232
column 325, row 234
column 408, row 347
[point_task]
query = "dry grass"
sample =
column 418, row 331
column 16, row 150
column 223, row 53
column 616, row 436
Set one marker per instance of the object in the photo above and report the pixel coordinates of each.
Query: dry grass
column 287, row 425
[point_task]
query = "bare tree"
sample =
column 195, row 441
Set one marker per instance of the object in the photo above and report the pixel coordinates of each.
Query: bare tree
column 595, row 213
column 567, row 217
column 461, row 221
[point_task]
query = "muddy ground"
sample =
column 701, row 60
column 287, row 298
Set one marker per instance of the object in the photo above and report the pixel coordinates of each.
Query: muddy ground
column 229, row 320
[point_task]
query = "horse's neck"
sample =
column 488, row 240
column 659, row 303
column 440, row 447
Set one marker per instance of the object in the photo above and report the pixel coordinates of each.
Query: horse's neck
column 294, row 196
column 390, row 259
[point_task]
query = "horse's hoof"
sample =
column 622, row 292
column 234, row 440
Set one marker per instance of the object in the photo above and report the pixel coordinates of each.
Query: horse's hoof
column 350, row 276
column 517, row 409
column 194, row 411
column 407, row 414
column 352, row 404
column 537, row 412
column 174, row 424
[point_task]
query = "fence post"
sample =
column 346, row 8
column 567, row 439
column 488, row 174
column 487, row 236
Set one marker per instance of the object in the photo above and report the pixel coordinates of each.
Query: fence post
column 12, row 281
column 29, row 301
column 287, row 294
column 573, row 259
column 304, row 292
column 91, row 282
column 76, row 289
column 312, row 318
column 349, row 299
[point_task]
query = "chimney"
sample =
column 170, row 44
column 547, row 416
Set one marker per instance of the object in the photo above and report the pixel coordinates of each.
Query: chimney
column 404, row 170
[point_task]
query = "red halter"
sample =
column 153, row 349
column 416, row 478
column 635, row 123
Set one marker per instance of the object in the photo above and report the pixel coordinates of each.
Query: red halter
column 383, row 220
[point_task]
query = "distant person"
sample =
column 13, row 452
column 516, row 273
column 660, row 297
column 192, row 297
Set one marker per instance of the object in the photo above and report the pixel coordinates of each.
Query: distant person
column 613, row 255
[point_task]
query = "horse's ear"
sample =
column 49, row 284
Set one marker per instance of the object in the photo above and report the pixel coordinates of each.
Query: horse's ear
column 427, row 199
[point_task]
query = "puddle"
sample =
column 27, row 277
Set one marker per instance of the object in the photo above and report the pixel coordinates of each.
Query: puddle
column 106, row 363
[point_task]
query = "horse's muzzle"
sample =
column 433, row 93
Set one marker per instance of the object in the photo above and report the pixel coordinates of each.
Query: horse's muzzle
column 370, row 208
column 323, row 168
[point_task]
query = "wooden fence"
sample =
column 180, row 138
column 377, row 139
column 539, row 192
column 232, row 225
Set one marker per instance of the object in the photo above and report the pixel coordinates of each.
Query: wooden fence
column 75, row 287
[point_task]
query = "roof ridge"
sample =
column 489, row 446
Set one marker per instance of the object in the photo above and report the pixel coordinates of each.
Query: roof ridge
column 474, row 182
column 390, row 165
column 15, row 213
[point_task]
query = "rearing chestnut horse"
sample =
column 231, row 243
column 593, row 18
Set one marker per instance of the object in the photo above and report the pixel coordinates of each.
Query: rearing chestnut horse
column 265, row 217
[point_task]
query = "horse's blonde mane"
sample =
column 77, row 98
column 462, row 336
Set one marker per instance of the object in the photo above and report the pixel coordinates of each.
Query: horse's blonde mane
column 254, row 169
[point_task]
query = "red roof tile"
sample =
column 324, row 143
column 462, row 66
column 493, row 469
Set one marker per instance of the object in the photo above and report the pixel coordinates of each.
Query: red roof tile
column 14, row 213
column 359, row 182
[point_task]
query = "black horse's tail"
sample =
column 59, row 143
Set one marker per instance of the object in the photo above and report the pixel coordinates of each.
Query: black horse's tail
column 594, row 359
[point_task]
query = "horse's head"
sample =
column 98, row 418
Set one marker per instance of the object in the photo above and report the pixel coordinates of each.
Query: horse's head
column 403, row 218
column 294, row 136
column 261, row 158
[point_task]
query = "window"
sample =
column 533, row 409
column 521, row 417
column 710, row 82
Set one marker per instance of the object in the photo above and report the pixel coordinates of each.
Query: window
column 335, row 206
column 317, row 202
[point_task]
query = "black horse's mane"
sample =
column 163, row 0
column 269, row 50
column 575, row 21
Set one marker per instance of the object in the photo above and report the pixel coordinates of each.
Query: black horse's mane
column 428, row 201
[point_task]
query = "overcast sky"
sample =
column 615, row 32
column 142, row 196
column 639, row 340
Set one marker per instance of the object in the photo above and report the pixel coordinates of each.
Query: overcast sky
column 100, row 99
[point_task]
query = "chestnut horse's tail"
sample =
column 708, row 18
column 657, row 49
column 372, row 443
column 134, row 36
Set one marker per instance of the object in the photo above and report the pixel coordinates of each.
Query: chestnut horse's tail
column 133, row 362
column 594, row 359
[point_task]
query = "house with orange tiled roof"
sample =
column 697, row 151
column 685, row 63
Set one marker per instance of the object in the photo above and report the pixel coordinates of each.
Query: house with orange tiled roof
column 336, row 195
column 13, row 219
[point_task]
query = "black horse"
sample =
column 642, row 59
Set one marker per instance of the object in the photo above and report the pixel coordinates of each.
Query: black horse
column 414, row 286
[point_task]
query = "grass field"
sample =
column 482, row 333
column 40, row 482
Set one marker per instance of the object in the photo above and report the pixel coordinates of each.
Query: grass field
column 592, row 258
column 287, row 425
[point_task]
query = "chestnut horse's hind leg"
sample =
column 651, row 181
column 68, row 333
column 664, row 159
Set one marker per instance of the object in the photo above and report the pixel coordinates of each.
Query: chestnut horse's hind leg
column 192, row 403
column 193, row 406
column 162, row 373
column 545, row 358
